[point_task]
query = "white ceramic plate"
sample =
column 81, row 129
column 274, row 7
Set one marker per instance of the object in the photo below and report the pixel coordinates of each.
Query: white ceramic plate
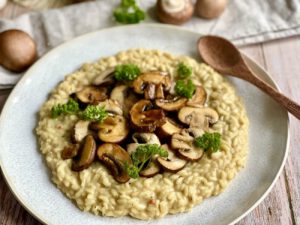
column 29, row 179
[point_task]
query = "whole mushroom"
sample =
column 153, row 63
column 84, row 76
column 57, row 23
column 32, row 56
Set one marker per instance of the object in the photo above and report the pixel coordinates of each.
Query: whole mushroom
column 17, row 50
column 174, row 11
column 210, row 9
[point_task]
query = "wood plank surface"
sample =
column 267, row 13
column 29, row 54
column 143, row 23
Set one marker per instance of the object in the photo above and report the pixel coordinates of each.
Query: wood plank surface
column 282, row 205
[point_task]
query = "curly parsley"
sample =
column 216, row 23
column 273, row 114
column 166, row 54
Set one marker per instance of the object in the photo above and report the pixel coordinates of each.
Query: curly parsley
column 141, row 156
column 94, row 113
column 71, row 107
column 209, row 141
column 184, row 71
column 185, row 88
column 128, row 12
column 127, row 72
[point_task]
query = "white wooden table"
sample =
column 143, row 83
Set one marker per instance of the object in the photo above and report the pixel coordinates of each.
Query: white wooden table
column 282, row 206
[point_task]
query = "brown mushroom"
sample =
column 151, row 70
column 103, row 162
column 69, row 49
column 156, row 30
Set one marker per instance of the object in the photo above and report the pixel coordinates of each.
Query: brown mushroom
column 70, row 151
column 184, row 144
column 198, row 98
column 105, row 77
column 169, row 128
column 92, row 94
column 113, row 129
column 152, row 84
column 210, row 9
column 125, row 97
column 17, row 50
column 144, row 118
column 111, row 106
column 145, row 138
column 86, row 154
column 171, row 103
column 171, row 163
column 198, row 117
column 81, row 130
column 115, row 158
column 174, row 11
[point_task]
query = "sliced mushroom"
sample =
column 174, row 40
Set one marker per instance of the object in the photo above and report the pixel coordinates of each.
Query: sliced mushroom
column 70, row 151
column 81, row 130
column 171, row 163
column 152, row 84
column 86, row 155
column 92, row 95
column 111, row 106
column 104, row 77
column 113, row 129
column 169, row 128
column 145, row 138
column 144, row 118
column 152, row 167
column 184, row 143
column 171, row 104
column 198, row 117
column 125, row 97
column 198, row 98
column 115, row 158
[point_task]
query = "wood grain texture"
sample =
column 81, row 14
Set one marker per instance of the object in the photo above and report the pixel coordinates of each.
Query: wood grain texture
column 282, row 206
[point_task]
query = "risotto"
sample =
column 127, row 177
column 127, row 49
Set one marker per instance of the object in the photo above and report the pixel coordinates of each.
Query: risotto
column 94, row 189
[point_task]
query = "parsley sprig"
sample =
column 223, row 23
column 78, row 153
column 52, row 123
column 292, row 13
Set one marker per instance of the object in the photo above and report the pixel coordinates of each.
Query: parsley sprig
column 143, row 155
column 128, row 12
column 209, row 141
column 69, row 108
column 127, row 72
column 91, row 112
column 184, row 71
column 185, row 88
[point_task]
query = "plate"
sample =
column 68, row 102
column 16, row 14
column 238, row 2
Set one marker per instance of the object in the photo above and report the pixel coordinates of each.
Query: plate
column 29, row 179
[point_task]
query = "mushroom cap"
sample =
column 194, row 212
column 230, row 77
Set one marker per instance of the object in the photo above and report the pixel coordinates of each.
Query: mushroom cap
column 145, row 138
column 113, row 129
column 92, row 94
column 125, row 97
column 198, row 117
column 86, row 154
column 114, row 158
column 171, row 104
column 155, row 78
column 172, row 163
column 144, row 118
column 210, row 9
column 198, row 98
column 104, row 76
column 17, row 50
column 184, row 143
column 169, row 128
column 111, row 106
column 174, row 17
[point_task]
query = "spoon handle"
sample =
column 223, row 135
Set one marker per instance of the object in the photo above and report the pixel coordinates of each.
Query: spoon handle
column 290, row 105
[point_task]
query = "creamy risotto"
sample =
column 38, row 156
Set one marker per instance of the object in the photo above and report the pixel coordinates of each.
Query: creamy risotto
column 94, row 189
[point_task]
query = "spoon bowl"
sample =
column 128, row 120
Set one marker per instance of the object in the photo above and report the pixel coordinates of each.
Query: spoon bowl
column 225, row 58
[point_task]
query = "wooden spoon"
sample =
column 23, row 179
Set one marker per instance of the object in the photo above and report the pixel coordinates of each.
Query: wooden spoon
column 224, row 57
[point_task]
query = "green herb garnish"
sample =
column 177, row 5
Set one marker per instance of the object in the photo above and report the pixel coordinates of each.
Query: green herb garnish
column 185, row 88
column 127, row 72
column 71, row 107
column 143, row 155
column 128, row 12
column 183, row 71
column 209, row 141
column 94, row 113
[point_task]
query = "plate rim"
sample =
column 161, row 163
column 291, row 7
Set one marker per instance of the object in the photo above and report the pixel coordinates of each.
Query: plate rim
column 28, row 73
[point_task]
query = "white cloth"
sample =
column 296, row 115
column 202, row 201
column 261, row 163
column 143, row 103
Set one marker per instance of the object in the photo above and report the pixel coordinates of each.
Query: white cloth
column 243, row 22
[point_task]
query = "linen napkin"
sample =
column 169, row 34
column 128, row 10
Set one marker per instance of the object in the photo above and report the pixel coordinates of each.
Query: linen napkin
column 243, row 22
